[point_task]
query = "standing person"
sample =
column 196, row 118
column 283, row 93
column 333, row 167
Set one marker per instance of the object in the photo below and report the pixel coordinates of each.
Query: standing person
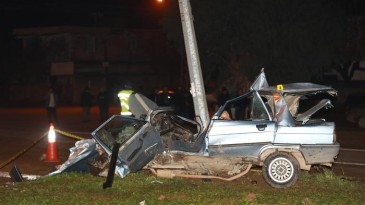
column 51, row 102
column 86, row 102
column 123, row 96
column 103, row 104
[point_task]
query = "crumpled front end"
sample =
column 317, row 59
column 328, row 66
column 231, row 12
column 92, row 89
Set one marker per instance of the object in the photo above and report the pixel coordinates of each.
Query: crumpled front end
column 81, row 156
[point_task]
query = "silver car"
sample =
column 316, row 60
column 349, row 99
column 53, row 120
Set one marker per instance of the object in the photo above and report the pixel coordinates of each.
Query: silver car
column 264, row 127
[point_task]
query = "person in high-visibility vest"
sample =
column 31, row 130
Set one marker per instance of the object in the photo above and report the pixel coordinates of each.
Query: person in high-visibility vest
column 123, row 96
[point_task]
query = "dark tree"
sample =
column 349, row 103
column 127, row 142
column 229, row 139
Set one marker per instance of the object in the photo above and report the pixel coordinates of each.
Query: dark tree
column 293, row 40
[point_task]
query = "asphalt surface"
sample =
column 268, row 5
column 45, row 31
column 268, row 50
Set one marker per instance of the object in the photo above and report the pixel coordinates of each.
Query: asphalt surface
column 23, row 132
column 24, row 142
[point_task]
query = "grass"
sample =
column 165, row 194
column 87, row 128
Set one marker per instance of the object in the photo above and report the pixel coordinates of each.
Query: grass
column 142, row 187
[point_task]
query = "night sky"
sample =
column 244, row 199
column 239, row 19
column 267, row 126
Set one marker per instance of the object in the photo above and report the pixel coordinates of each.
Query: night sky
column 128, row 13
column 35, row 13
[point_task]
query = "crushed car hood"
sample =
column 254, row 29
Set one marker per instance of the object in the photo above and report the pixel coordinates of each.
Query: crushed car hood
column 139, row 105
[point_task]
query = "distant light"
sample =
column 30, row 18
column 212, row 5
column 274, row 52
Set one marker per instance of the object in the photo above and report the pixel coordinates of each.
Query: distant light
column 159, row 1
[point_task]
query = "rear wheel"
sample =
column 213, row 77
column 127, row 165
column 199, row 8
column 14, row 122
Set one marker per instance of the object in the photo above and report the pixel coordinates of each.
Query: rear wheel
column 280, row 170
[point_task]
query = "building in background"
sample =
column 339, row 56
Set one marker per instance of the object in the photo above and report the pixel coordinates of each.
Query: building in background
column 101, row 57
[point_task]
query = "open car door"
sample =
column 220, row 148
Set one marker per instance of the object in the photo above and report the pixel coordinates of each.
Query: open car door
column 139, row 142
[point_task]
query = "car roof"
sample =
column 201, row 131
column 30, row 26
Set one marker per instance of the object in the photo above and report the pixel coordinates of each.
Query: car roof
column 260, row 85
column 298, row 89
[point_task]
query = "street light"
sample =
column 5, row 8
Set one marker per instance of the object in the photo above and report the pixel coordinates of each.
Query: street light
column 192, row 54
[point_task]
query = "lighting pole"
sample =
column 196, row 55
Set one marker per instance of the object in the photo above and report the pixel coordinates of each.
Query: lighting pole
column 192, row 54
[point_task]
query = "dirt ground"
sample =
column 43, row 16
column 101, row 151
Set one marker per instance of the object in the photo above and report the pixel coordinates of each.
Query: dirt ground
column 20, row 128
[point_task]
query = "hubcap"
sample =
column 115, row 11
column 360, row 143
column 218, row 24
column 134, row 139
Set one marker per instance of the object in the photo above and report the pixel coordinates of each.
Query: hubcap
column 281, row 170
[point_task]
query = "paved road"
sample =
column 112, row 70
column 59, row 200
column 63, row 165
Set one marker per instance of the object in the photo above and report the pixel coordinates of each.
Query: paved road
column 351, row 163
column 20, row 127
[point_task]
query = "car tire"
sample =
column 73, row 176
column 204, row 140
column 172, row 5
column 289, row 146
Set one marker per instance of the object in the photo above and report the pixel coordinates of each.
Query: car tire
column 280, row 170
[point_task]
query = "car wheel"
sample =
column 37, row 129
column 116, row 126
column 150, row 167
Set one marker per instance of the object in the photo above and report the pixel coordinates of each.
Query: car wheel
column 280, row 170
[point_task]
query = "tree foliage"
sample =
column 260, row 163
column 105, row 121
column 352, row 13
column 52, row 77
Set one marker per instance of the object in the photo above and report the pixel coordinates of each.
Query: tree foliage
column 293, row 40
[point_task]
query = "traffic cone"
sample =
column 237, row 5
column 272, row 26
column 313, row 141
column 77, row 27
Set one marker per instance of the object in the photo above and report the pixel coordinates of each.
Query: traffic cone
column 52, row 154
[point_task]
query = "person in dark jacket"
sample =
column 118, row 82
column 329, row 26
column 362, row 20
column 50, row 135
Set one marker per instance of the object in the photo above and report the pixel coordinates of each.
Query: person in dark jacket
column 103, row 104
column 51, row 104
column 86, row 103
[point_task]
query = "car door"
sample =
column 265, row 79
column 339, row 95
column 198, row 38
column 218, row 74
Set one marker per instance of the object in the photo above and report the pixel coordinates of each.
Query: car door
column 139, row 142
column 244, row 134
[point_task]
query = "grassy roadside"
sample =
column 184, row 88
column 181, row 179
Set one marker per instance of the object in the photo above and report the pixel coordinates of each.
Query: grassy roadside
column 142, row 187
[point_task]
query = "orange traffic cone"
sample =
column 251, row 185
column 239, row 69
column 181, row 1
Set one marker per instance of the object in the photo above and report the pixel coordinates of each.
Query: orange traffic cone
column 52, row 154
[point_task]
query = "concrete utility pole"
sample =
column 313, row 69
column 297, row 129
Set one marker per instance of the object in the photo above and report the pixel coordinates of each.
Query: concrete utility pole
column 192, row 54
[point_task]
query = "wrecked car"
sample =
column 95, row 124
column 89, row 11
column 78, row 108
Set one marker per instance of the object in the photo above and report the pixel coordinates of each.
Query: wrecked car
column 266, row 129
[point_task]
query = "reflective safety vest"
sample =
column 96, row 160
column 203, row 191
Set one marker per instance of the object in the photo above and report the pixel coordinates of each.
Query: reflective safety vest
column 123, row 96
